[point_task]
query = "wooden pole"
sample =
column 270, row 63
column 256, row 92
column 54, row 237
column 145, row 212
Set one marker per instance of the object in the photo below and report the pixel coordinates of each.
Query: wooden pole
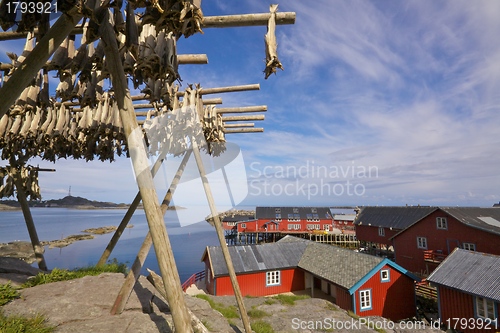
column 222, row 240
column 239, row 125
column 192, row 59
column 134, row 273
column 253, row 108
column 182, row 59
column 43, row 50
column 244, row 130
column 239, row 118
column 137, row 150
column 35, row 242
column 246, row 87
column 209, row 101
column 246, row 20
column 220, row 21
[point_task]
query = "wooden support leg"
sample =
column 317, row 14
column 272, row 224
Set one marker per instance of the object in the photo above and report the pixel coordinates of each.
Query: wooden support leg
column 138, row 155
column 43, row 50
column 35, row 242
column 133, row 275
column 128, row 215
column 220, row 235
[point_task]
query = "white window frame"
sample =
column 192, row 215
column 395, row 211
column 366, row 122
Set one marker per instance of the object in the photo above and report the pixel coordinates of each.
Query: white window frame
column 387, row 278
column 469, row 246
column 485, row 308
column 442, row 223
column 381, row 231
column 243, row 225
column 326, row 227
column 273, row 278
column 422, row 243
column 365, row 299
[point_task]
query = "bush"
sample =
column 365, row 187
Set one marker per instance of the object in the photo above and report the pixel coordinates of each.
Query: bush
column 7, row 293
column 64, row 275
column 290, row 299
column 256, row 313
column 260, row 326
column 17, row 324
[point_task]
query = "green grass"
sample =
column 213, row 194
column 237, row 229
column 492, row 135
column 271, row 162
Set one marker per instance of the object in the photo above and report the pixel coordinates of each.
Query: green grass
column 256, row 313
column 226, row 311
column 64, row 275
column 352, row 314
column 270, row 301
column 260, row 326
column 290, row 299
column 331, row 306
column 17, row 324
column 7, row 293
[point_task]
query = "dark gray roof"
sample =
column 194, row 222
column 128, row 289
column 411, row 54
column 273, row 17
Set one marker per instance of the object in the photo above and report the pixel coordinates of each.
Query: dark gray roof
column 471, row 272
column 341, row 266
column 238, row 218
column 392, row 217
column 270, row 212
column 252, row 258
column 487, row 219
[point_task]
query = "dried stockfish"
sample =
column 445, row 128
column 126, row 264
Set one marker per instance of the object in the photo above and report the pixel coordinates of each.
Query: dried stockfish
column 272, row 61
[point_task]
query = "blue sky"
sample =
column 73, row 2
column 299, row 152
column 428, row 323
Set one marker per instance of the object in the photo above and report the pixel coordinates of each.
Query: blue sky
column 380, row 103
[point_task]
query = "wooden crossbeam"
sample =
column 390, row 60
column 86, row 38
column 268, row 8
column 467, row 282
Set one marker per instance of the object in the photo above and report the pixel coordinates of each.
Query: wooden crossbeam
column 239, row 125
column 244, row 118
column 253, row 108
column 244, row 130
column 218, row 21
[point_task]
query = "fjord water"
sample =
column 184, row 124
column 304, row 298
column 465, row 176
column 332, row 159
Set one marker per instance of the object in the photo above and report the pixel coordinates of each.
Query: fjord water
column 188, row 243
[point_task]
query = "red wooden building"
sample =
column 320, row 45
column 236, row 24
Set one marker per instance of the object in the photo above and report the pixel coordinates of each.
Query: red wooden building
column 344, row 223
column 376, row 225
column 423, row 245
column 230, row 223
column 289, row 220
column 468, row 285
column 365, row 284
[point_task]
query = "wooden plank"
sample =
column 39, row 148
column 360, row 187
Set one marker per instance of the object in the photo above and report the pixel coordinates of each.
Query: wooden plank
column 246, row 20
column 222, row 240
column 211, row 101
column 239, row 125
column 139, row 157
column 192, row 59
column 240, row 118
column 253, row 108
column 28, row 218
column 218, row 90
column 43, row 50
column 244, row 130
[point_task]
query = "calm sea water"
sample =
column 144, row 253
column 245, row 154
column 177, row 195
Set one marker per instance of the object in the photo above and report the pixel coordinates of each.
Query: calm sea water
column 188, row 242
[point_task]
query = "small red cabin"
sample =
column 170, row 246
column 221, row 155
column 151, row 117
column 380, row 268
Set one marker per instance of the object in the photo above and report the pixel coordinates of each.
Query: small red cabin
column 424, row 245
column 468, row 285
column 364, row 284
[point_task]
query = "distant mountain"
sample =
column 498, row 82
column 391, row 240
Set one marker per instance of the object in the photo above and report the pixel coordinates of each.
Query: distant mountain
column 67, row 202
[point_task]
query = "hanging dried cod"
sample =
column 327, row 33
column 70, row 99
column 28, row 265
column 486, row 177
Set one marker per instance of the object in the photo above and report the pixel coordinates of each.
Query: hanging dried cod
column 272, row 61
column 29, row 181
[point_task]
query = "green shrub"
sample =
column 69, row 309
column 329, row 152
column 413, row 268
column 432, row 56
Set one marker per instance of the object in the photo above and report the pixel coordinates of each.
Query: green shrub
column 290, row 299
column 17, row 324
column 7, row 293
column 270, row 301
column 226, row 311
column 260, row 326
column 256, row 313
column 64, row 275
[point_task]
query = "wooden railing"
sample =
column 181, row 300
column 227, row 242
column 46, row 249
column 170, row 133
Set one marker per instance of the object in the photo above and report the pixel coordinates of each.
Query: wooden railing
column 424, row 289
column 193, row 279
column 434, row 256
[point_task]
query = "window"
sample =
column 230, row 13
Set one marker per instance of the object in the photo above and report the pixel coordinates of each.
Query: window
column 278, row 216
column 243, row 225
column 422, row 243
column 469, row 246
column 290, row 217
column 485, row 308
column 277, row 210
column 381, row 231
column 365, row 299
column 296, row 217
column 273, row 278
column 315, row 217
column 231, row 224
column 314, row 210
column 295, row 210
column 309, row 217
column 326, row 227
column 441, row 223
column 313, row 226
column 385, row 276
